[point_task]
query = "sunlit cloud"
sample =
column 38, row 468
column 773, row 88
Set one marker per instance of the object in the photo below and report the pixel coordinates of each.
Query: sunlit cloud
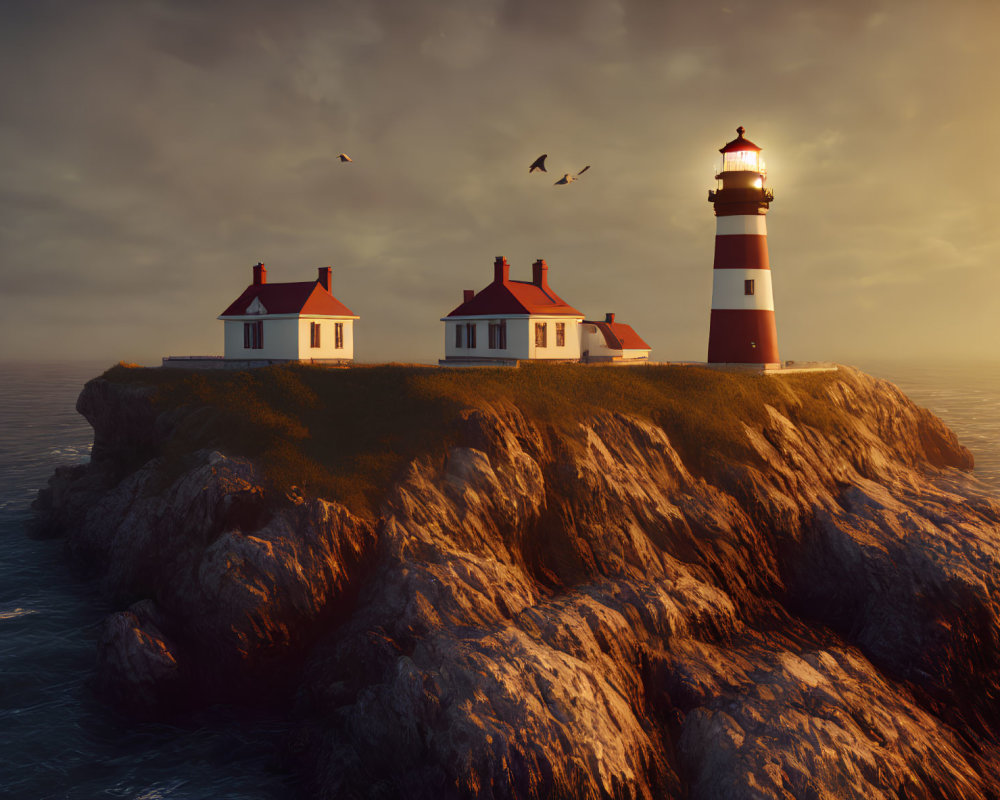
column 150, row 153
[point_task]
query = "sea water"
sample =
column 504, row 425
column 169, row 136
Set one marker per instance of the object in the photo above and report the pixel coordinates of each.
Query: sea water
column 58, row 741
column 966, row 395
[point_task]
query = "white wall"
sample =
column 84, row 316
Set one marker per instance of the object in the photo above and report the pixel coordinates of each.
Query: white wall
column 520, row 338
column 571, row 349
column 728, row 290
column 281, row 338
column 288, row 338
column 327, row 339
column 741, row 225
column 593, row 342
column 516, row 342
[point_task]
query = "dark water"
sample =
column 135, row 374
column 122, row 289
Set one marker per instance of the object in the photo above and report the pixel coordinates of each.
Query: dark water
column 58, row 741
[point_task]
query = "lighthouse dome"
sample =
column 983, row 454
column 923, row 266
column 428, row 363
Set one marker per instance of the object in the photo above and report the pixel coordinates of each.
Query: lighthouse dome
column 740, row 155
column 739, row 143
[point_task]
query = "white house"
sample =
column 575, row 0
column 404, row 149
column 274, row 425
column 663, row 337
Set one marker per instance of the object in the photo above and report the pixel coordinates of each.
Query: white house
column 611, row 341
column 512, row 320
column 299, row 321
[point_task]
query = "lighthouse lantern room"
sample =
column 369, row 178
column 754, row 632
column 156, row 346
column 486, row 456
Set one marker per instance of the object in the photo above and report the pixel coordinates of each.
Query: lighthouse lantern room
column 742, row 329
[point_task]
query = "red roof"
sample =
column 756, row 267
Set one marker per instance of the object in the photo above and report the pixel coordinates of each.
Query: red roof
column 505, row 296
column 619, row 336
column 305, row 297
column 739, row 143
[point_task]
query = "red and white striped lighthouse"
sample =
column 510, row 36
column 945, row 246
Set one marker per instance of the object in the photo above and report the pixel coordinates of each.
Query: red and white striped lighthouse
column 742, row 327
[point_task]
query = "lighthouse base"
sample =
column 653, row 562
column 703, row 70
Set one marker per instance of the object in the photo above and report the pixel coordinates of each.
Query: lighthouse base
column 743, row 336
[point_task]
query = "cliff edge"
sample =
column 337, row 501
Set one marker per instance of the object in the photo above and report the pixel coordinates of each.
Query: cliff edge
column 552, row 581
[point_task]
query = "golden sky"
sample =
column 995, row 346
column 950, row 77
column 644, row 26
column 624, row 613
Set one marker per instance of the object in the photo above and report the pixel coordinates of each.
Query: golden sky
column 152, row 151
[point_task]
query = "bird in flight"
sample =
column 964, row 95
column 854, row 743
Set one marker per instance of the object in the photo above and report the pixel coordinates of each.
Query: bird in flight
column 344, row 157
column 539, row 163
column 567, row 178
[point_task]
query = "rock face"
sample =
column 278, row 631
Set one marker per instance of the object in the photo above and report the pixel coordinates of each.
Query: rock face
column 543, row 615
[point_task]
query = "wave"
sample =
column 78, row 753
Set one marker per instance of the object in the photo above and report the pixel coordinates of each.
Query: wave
column 16, row 613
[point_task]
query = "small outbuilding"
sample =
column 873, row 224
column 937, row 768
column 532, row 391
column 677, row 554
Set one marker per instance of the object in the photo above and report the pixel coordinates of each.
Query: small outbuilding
column 612, row 341
column 299, row 321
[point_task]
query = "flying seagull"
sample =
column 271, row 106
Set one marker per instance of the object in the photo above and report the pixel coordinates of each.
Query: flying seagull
column 567, row 178
column 344, row 157
column 539, row 163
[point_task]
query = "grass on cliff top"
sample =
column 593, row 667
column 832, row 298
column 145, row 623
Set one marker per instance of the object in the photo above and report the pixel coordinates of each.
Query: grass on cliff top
column 344, row 434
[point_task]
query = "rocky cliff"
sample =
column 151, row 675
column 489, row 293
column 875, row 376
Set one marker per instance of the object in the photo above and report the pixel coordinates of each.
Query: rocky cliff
column 617, row 604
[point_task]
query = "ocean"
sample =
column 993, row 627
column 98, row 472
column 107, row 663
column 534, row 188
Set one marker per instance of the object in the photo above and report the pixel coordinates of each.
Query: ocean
column 58, row 741
column 965, row 395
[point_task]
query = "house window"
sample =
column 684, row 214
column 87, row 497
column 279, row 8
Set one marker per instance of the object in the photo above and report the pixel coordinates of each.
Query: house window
column 498, row 335
column 748, row 287
column 540, row 334
column 253, row 335
column 338, row 335
column 560, row 334
column 314, row 334
column 470, row 335
column 458, row 335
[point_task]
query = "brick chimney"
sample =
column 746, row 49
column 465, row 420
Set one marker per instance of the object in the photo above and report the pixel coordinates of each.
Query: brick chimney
column 468, row 294
column 325, row 277
column 609, row 317
column 501, row 270
column 540, row 274
column 259, row 274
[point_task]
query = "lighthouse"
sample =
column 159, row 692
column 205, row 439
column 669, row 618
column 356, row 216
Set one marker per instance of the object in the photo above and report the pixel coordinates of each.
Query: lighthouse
column 742, row 327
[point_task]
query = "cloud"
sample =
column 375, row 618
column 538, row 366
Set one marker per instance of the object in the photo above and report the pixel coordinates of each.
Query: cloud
column 151, row 152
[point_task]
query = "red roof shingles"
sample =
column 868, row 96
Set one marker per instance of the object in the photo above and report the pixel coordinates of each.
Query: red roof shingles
column 303, row 297
column 619, row 336
column 505, row 296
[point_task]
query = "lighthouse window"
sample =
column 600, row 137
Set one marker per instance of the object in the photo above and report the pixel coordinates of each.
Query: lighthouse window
column 748, row 287
column 314, row 334
column 338, row 335
column 740, row 161
column 541, row 334
column 458, row 335
column 560, row 334
column 470, row 334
